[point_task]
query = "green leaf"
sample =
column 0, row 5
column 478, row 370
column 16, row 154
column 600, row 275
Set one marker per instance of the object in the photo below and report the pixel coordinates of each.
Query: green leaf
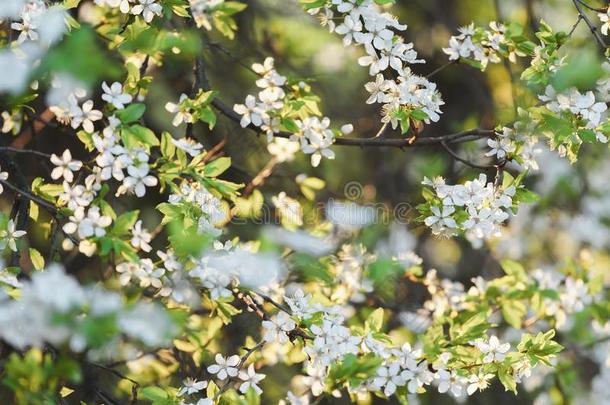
column 168, row 149
column 226, row 311
column 37, row 259
column 87, row 139
column 473, row 328
column 290, row 125
column 232, row 7
column 353, row 369
column 314, row 182
column 171, row 212
column 138, row 135
column 154, row 393
column 513, row 312
column 309, row 4
column 251, row 206
column 587, row 135
column 68, row 4
column 513, row 268
column 523, row 195
column 505, row 374
column 207, row 115
column 124, row 223
column 131, row 113
column 419, row 115
column 374, row 322
column 217, row 167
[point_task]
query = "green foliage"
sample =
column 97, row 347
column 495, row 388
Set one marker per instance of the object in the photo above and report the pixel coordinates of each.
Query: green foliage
column 35, row 377
column 98, row 64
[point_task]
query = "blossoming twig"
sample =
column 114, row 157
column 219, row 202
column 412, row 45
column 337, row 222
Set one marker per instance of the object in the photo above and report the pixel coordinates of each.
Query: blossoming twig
column 239, row 366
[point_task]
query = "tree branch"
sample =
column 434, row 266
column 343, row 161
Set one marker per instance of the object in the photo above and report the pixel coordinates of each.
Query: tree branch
column 596, row 9
column 578, row 4
column 463, row 136
column 465, row 161
column 52, row 209
column 24, row 151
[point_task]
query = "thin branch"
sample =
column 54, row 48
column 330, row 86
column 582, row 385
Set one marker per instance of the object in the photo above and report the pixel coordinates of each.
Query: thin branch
column 531, row 18
column 441, row 68
column 43, row 203
column 106, row 397
column 575, row 25
column 578, row 4
column 596, row 9
column 261, row 176
column 212, row 153
column 24, row 151
column 465, row 161
column 135, row 384
column 270, row 300
column 382, row 131
column 463, row 136
column 52, row 209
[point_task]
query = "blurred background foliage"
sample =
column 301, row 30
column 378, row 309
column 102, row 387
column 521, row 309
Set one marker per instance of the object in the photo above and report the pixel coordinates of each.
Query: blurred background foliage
column 303, row 49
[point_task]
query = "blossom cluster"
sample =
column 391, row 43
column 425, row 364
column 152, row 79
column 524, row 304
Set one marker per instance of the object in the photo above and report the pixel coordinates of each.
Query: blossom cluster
column 313, row 134
column 584, row 114
column 518, row 144
column 218, row 271
column 202, row 10
column 478, row 208
column 482, row 46
column 54, row 308
column 206, row 207
column 39, row 27
column 574, row 295
column 403, row 94
column 396, row 367
column 148, row 9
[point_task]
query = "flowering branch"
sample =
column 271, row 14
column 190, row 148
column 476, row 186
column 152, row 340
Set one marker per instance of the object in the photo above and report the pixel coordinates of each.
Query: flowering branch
column 239, row 366
column 377, row 141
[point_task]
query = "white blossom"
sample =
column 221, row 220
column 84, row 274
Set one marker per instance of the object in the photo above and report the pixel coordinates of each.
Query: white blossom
column 84, row 115
column 148, row 9
column 493, row 349
column 250, row 112
column 140, row 237
column 278, row 327
column 250, row 380
column 9, row 236
column 114, row 95
column 137, row 180
column 191, row 386
column 64, row 166
column 181, row 110
column 188, row 145
column 478, row 382
column 224, row 367
column 605, row 19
